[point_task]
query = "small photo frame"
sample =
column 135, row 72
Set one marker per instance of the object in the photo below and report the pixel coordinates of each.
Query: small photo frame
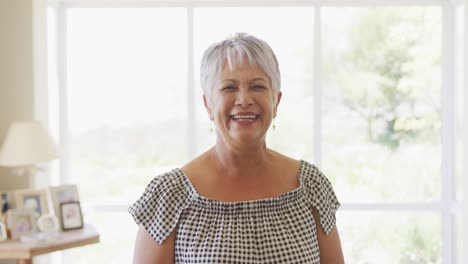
column 48, row 223
column 3, row 231
column 6, row 201
column 35, row 199
column 22, row 221
column 63, row 193
column 71, row 216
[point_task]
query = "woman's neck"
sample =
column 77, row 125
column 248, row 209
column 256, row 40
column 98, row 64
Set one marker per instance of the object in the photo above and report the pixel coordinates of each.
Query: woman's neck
column 241, row 161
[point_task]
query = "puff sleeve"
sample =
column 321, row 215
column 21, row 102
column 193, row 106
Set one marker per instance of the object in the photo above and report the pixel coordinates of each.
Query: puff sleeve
column 320, row 195
column 159, row 207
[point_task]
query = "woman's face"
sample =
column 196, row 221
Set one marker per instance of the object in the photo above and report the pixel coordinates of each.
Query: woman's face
column 242, row 103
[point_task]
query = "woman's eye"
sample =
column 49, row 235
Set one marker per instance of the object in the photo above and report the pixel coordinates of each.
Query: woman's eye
column 227, row 88
column 258, row 87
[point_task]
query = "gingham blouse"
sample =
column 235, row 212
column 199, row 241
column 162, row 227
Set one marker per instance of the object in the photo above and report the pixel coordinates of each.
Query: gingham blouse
column 271, row 230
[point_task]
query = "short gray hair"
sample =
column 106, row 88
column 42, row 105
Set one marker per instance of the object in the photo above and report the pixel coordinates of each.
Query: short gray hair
column 233, row 50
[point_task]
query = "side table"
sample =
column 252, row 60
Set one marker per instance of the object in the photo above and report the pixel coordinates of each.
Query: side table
column 24, row 252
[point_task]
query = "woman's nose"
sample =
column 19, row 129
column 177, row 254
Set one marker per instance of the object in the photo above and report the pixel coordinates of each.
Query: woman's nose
column 244, row 98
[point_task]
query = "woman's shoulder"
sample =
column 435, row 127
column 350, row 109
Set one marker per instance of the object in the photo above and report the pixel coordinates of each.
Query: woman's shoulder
column 280, row 157
column 311, row 172
column 286, row 163
column 199, row 165
column 170, row 178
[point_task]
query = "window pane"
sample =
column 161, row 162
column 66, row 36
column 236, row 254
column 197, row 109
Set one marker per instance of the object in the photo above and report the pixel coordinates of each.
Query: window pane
column 127, row 97
column 459, row 69
column 53, row 90
column 117, row 236
column 52, row 78
column 381, row 107
column 458, row 236
column 387, row 237
column 289, row 31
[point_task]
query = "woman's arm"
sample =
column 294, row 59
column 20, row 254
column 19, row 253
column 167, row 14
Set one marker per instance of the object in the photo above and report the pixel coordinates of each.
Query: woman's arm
column 148, row 251
column 329, row 245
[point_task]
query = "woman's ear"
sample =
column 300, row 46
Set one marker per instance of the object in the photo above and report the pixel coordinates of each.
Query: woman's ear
column 207, row 106
column 278, row 100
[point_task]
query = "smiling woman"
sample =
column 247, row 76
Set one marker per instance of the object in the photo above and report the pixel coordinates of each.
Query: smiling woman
column 239, row 202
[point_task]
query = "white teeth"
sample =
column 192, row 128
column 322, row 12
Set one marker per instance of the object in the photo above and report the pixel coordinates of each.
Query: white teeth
column 249, row 117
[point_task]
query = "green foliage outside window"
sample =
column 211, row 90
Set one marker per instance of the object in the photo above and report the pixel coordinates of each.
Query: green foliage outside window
column 395, row 81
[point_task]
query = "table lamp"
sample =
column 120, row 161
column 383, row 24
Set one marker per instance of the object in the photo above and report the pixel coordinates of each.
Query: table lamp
column 26, row 144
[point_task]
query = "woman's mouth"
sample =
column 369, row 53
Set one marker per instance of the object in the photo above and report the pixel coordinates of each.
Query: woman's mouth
column 249, row 117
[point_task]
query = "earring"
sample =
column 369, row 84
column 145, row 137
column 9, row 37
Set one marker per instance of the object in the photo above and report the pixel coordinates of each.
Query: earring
column 274, row 123
column 211, row 126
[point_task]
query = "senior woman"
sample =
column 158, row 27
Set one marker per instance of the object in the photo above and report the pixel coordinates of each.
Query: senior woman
column 239, row 202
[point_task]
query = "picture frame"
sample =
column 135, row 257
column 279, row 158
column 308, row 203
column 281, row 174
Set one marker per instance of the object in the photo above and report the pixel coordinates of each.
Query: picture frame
column 22, row 221
column 3, row 231
column 35, row 199
column 48, row 223
column 61, row 194
column 6, row 201
column 71, row 216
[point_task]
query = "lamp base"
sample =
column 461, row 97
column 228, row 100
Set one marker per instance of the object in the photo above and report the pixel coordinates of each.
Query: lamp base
column 30, row 172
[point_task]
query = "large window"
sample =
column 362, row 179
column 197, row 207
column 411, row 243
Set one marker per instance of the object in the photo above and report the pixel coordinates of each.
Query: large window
column 364, row 97
column 381, row 101
column 126, row 97
column 127, row 112
column 390, row 237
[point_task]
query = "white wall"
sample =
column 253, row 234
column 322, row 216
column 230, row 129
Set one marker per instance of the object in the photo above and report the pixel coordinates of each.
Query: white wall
column 22, row 31
column 16, row 72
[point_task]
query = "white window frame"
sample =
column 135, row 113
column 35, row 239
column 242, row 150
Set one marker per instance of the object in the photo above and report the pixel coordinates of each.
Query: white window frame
column 448, row 207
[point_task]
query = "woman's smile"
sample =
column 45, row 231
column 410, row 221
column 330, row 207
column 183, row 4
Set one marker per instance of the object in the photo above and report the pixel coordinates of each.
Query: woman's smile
column 244, row 118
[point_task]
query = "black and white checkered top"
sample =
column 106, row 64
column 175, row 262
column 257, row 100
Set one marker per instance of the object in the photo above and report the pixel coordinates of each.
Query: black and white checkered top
column 271, row 230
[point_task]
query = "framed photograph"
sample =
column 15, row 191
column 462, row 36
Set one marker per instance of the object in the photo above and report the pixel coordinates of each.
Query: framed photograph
column 3, row 231
column 48, row 223
column 71, row 216
column 22, row 221
column 35, row 199
column 6, row 201
column 63, row 193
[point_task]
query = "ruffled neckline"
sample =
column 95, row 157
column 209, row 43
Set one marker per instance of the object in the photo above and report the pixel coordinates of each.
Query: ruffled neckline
column 256, row 204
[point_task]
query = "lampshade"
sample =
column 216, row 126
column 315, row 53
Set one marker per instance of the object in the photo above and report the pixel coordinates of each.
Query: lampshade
column 27, row 143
